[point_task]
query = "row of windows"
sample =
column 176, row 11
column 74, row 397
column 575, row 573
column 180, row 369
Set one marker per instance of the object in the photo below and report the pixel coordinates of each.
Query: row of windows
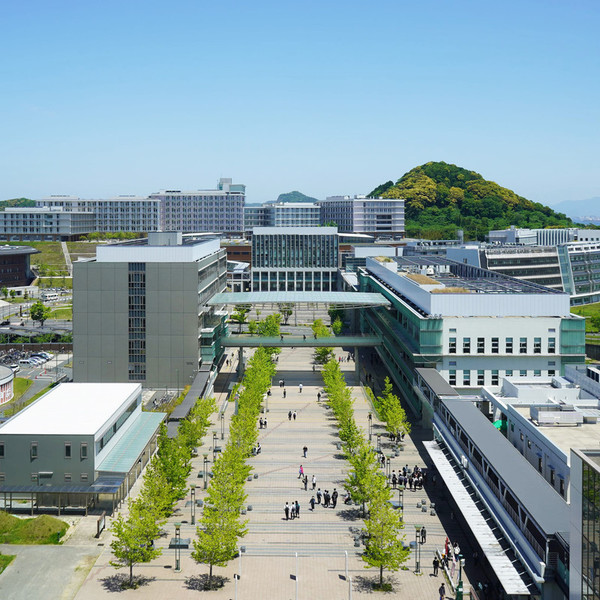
column 508, row 345
column 34, row 450
column 479, row 378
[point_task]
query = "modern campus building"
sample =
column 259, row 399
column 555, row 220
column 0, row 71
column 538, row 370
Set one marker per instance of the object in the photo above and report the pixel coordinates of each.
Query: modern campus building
column 282, row 214
column 300, row 259
column 7, row 378
column 473, row 325
column 44, row 224
column 380, row 217
column 78, row 441
column 220, row 210
column 15, row 268
column 140, row 314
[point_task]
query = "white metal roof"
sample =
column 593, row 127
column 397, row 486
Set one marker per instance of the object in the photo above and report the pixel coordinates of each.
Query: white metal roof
column 72, row 409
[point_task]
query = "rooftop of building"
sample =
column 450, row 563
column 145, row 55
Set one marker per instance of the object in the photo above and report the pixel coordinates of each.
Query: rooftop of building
column 72, row 409
column 294, row 231
column 8, row 250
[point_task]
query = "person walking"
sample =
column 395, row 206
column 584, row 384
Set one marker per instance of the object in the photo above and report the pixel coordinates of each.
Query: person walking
column 297, row 509
column 436, row 566
column 293, row 510
column 300, row 472
column 319, row 496
column 334, row 498
column 305, row 450
column 318, row 396
column 285, row 394
column 442, row 591
column 314, row 482
column 289, row 412
column 300, row 388
column 423, row 535
column 265, row 422
column 305, row 482
column 286, row 510
column 312, row 503
column 294, row 414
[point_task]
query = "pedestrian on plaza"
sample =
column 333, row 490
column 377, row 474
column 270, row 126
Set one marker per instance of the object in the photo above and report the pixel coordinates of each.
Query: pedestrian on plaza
column 314, row 482
column 281, row 383
column 283, row 380
column 423, row 535
column 260, row 423
column 295, row 415
column 304, row 337
column 293, row 510
column 312, row 503
column 285, row 394
column 300, row 387
column 318, row 396
column 442, row 591
column 289, row 412
column 297, row 509
column 281, row 336
column 300, row 472
column 286, row 510
column 305, row 450
column 305, row 482
column 265, row 422
column 319, row 495
column 269, row 392
column 326, row 498
column 436, row 566
column 394, row 479
column 334, row 498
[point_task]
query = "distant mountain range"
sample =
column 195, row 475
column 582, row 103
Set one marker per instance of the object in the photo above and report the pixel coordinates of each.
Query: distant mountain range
column 582, row 211
column 16, row 202
column 295, row 197
column 441, row 198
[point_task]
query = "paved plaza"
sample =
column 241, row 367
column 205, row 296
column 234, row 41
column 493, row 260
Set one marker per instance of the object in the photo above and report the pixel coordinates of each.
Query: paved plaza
column 321, row 539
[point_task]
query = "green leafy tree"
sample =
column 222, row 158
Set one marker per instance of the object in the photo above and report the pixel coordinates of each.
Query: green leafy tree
column 270, row 326
column 384, row 548
column 392, row 412
column 174, row 462
column 252, row 327
column 336, row 326
column 286, row 310
column 4, row 291
column 39, row 312
column 320, row 330
column 240, row 315
column 155, row 494
column 133, row 538
column 12, row 293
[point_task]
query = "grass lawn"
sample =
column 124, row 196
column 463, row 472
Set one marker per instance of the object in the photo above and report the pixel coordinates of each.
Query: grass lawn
column 40, row 530
column 5, row 560
column 81, row 250
column 65, row 313
column 51, row 255
column 57, row 282
column 20, row 386
column 587, row 310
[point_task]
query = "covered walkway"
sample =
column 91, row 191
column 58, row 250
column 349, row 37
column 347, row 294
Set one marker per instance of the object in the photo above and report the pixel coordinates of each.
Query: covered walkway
column 306, row 299
column 294, row 341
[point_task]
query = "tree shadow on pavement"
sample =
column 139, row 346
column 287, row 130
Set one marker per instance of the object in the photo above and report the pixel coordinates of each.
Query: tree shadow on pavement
column 349, row 514
column 199, row 583
column 120, row 582
column 368, row 584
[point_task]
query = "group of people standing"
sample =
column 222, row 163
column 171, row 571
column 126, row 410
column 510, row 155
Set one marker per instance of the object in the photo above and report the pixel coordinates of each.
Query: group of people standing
column 412, row 480
column 292, row 511
column 329, row 500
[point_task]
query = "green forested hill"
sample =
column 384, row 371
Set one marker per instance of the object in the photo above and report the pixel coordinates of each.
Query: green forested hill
column 441, row 198
column 18, row 202
column 295, row 197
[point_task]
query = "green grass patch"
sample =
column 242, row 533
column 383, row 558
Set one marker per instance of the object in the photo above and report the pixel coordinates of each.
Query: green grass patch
column 40, row 530
column 15, row 407
column 588, row 311
column 5, row 560
column 20, row 386
column 64, row 313
column 175, row 402
column 79, row 250
column 51, row 255
column 56, row 282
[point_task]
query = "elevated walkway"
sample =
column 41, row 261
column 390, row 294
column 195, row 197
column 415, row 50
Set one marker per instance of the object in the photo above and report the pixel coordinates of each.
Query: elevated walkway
column 301, row 299
column 296, row 341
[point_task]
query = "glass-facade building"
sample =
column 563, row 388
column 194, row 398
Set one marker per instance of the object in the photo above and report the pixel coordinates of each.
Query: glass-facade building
column 301, row 259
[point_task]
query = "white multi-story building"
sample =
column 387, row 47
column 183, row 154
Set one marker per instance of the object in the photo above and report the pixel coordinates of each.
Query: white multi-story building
column 44, row 224
column 219, row 211
column 381, row 217
column 282, row 214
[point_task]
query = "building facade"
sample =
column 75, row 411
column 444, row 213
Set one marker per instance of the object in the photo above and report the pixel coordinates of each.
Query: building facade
column 301, row 259
column 44, row 224
column 282, row 214
column 15, row 268
column 140, row 314
column 379, row 217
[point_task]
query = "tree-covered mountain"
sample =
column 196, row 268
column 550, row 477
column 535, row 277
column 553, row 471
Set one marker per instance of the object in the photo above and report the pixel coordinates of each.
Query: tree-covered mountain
column 441, row 198
column 295, row 197
column 16, row 202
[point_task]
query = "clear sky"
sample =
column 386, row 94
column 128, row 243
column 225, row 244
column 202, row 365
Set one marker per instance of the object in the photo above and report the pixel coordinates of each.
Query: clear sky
column 107, row 97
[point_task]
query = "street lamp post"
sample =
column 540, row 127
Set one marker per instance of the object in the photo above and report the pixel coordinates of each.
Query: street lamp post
column 378, row 441
column 459, row 586
column 370, row 425
column 222, row 425
column 388, row 471
column 193, row 507
column 417, row 549
column 214, row 444
column 177, row 547
column 205, row 474
column 401, row 498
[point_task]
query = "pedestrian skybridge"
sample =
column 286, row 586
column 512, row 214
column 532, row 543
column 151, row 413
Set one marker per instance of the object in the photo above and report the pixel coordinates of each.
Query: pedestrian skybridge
column 297, row 341
column 301, row 299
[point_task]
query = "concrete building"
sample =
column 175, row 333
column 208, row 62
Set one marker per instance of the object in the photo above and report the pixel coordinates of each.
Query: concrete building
column 380, row 217
column 7, row 378
column 140, row 314
column 542, row 237
column 474, row 326
column 282, row 214
column 44, row 224
column 220, row 210
column 15, row 267
column 301, row 259
column 77, row 441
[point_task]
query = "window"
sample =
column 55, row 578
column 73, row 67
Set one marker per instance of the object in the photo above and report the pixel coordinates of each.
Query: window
column 537, row 373
column 540, row 464
column 67, row 449
column 551, row 372
column 2, row 450
column 452, row 377
column 33, row 450
column 509, row 345
column 521, row 436
column 480, row 345
column 523, row 373
column 466, row 345
column 34, row 477
column 509, row 372
column 537, row 345
column 551, row 345
column 2, row 476
column 84, row 477
column 495, row 377
column 495, row 345
column 561, row 486
column 466, row 377
column 480, row 377
column 67, row 477
column 523, row 345
column 529, row 444
column 552, row 477
column 452, row 345
column 84, row 451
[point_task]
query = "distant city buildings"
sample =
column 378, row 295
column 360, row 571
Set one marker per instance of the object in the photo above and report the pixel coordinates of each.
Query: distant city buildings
column 140, row 313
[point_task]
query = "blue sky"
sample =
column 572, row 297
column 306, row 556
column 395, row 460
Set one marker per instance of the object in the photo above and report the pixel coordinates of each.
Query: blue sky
column 128, row 97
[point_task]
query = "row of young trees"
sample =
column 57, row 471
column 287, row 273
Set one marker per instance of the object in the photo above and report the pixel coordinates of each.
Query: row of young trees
column 365, row 482
column 221, row 525
column 390, row 411
column 164, row 483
